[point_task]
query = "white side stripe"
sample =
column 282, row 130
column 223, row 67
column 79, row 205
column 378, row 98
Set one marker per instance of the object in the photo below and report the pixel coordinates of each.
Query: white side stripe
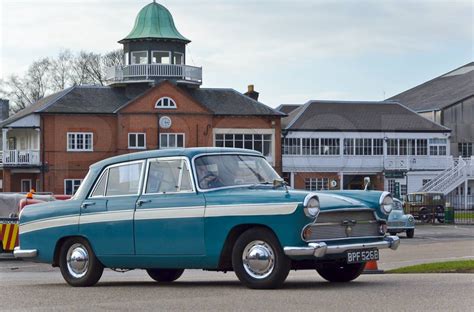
column 266, row 209
column 106, row 216
column 170, row 213
column 48, row 223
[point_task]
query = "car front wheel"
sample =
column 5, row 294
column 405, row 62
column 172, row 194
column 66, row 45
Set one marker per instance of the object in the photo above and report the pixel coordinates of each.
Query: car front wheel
column 258, row 260
column 411, row 233
column 78, row 263
column 165, row 275
column 341, row 273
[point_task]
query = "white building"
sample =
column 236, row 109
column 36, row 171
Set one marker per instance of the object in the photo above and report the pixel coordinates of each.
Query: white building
column 335, row 144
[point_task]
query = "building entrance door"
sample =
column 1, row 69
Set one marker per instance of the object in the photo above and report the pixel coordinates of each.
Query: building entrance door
column 356, row 182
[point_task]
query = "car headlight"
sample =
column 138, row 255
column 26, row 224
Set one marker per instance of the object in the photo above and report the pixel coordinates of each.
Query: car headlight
column 311, row 207
column 386, row 203
column 411, row 219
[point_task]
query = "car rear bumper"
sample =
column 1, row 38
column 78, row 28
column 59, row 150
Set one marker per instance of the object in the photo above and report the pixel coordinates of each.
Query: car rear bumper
column 321, row 249
column 24, row 253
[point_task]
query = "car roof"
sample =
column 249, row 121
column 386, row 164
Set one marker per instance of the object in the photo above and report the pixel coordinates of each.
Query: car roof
column 187, row 152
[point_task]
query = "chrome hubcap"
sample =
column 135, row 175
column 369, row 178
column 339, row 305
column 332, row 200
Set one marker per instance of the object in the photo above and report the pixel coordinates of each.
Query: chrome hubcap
column 77, row 260
column 258, row 259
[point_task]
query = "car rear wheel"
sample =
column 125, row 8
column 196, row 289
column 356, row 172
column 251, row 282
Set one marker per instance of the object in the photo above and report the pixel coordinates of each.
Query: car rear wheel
column 411, row 233
column 341, row 273
column 78, row 263
column 258, row 259
column 165, row 275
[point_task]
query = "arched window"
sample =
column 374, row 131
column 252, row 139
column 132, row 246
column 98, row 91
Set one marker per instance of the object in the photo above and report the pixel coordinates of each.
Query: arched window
column 165, row 102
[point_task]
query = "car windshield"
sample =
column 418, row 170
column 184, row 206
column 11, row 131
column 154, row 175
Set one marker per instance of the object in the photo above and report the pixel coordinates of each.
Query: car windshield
column 397, row 205
column 216, row 171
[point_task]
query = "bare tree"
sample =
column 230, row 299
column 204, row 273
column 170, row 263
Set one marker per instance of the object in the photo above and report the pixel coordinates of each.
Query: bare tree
column 61, row 70
column 25, row 91
column 46, row 76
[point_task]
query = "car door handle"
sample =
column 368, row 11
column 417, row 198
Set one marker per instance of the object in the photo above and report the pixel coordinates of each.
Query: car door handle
column 87, row 204
column 143, row 201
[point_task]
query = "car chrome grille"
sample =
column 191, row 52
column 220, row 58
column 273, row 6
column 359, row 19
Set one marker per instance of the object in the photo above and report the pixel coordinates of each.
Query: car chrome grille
column 344, row 224
column 396, row 223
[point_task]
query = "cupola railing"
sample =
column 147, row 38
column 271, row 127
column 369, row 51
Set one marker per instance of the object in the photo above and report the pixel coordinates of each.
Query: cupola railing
column 153, row 72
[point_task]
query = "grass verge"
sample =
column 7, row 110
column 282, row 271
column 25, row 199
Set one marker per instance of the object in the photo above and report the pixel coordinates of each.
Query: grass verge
column 461, row 266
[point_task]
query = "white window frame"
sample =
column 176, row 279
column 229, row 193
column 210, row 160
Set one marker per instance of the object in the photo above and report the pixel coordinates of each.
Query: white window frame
column 271, row 158
column 21, row 185
column 159, row 103
column 182, row 58
column 136, row 134
column 168, row 134
column 75, row 141
column 323, row 182
column 72, row 180
column 132, row 59
column 169, row 56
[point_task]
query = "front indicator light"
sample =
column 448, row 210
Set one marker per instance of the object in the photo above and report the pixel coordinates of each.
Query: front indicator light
column 307, row 232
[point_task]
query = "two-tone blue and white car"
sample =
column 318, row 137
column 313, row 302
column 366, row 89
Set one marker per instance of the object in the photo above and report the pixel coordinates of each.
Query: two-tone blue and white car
column 204, row 208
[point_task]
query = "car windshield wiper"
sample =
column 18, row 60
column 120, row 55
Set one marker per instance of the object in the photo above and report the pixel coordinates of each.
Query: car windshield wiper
column 261, row 183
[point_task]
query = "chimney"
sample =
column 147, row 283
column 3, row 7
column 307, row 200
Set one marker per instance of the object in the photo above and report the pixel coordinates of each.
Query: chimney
column 4, row 109
column 251, row 93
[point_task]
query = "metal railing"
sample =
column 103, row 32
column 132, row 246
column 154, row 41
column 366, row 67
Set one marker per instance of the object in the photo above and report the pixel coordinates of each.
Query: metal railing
column 21, row 157
column 452, row 177
column 153, row 71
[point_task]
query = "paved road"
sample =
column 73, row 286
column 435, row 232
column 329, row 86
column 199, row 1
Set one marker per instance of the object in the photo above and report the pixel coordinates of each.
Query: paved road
column 39, row 287
column 431, row 244
column 198, row 291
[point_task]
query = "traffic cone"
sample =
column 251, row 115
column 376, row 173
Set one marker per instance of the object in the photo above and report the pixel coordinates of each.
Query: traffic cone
column 372, row 268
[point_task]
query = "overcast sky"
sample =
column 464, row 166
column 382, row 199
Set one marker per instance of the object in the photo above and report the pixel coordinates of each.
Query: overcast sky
column 292, row 51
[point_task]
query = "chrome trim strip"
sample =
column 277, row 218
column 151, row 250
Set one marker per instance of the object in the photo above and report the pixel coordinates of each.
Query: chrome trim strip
column 24, row 253
column 339, row 223
column 319, row 250
column 343, row 238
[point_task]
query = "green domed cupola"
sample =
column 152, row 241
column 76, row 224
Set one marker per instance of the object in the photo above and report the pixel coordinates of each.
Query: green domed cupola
column 154, row 21
column 153, row 51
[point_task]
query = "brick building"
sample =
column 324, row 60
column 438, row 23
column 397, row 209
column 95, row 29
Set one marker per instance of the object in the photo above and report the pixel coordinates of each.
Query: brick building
column 154, row 100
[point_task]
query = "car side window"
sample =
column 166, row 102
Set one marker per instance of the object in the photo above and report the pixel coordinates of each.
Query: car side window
column 100, row 186
column 168, row 176
column 124, row 179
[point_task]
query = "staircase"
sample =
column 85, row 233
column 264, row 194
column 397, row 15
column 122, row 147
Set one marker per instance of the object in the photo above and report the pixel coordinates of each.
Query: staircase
column 448, row 180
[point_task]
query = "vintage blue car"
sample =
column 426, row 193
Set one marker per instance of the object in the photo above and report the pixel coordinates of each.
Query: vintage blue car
column 399, row 222
column 204, row 208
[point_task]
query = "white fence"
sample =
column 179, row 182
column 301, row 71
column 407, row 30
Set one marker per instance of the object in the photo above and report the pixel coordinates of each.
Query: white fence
column 18, row 157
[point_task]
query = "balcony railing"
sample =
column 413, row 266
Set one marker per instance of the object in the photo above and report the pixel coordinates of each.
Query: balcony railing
column 303, row 163
column 20, row 157
column 154, row 71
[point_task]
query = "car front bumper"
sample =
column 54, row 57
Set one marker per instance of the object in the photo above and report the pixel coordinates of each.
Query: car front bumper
column 321, row 249
column 24, row 253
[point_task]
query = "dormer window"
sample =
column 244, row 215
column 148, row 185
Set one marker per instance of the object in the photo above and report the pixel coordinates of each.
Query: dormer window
column 165, row 102
column 161, row 57
column 140, row 57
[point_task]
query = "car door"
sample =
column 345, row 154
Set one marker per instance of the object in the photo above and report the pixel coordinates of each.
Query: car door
column 106, row 218
column 169, row 218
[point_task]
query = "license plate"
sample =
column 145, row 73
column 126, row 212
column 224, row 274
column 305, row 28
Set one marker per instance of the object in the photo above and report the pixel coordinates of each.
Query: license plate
column 362, row 255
